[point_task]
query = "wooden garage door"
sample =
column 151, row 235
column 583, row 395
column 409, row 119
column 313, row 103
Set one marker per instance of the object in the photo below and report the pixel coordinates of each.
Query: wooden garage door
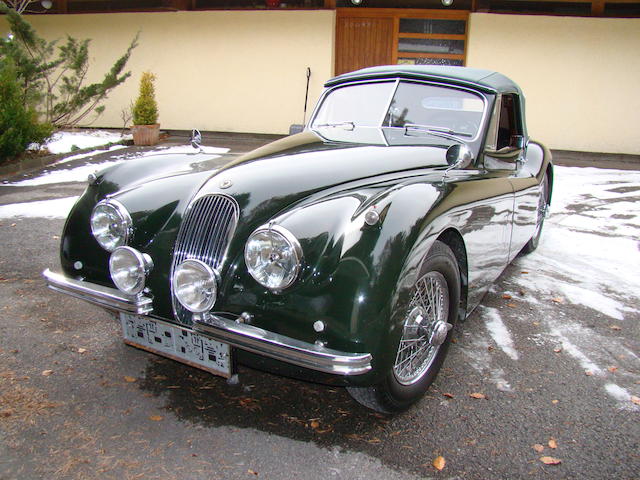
column 363, row 42
column 366, row 37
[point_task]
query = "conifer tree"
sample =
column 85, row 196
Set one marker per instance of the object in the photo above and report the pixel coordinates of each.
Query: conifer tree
column 145, row 110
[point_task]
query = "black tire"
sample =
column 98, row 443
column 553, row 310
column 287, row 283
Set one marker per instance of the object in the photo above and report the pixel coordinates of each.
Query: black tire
column 543, row 204
column 402, row 386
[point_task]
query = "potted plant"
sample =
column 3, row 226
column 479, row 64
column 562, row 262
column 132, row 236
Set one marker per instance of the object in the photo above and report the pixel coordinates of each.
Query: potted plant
column 145, row 129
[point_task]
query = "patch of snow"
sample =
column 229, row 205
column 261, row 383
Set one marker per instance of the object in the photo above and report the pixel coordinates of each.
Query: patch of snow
column 585, row 362
column 62, row 142
column 499, row 332
column 58, row 208
column 588, row 252
column 90, row 154
column 480, row 359
column 622, row 396
column 78, row 174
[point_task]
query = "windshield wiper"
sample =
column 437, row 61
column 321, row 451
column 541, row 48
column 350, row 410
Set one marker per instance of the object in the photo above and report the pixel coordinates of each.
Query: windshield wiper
column 436, row 131
column 344, row 125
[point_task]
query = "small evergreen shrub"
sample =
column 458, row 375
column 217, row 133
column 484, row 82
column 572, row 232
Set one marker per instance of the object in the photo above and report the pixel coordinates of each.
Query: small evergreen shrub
column 19, row 124
column 145, row 110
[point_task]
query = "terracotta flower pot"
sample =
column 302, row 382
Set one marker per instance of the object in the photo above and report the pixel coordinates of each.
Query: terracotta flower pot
column 146, row 134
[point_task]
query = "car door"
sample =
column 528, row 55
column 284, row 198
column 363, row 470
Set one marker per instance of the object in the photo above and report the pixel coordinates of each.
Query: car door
column 506, row 152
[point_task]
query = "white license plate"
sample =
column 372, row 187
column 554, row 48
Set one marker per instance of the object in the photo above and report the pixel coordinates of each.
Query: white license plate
column 177, row 343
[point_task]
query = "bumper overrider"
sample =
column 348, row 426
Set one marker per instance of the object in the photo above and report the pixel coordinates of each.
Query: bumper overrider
column 240, row 335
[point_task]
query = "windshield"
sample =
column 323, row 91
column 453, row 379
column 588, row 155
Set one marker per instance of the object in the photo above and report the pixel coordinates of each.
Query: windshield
column 437, row 110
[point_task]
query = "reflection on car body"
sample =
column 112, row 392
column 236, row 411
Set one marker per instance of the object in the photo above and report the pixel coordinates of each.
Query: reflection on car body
column 343, row 254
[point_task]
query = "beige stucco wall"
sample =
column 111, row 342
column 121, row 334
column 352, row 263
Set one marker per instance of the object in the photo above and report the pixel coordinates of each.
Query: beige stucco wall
column 581, row 76
column 219, row 71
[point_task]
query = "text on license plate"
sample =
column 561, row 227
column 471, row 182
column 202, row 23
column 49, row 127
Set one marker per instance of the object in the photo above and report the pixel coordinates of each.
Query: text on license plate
column 180, row 344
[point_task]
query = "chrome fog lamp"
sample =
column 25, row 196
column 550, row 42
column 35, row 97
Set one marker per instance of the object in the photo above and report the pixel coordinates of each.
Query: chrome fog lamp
column 273, row 257
column 129, row 269
column 195, row 285
column 111, row 224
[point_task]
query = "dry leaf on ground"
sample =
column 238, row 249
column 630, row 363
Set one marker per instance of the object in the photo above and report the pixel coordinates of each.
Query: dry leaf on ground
column 506, row 296
column 314, row 424
column 448, row 395
column 129, row 379
column 557, row 300
column 635, row 399
column 439, row 462
column 478, row 395
column 588, row 373
column 252, row 472
column 612, row 369
column 46, row 373
column 553, row 443
column 538, row 448
column 155, row 418
column 82, row 350
column 550, row 460
column 615, row 327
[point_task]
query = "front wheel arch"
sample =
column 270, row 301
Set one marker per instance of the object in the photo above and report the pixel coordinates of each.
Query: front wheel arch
column 390, row 394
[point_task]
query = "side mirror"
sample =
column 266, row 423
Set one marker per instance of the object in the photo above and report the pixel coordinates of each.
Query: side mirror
column 459, row 156
column 196, row 138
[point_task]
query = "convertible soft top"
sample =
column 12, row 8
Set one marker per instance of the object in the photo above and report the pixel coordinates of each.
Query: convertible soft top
column 485, row 80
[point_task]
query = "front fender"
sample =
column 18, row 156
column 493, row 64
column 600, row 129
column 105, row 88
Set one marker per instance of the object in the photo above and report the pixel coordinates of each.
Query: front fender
column 350, row 276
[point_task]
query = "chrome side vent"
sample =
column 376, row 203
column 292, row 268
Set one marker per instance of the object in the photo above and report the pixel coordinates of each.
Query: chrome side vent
column 207, row 228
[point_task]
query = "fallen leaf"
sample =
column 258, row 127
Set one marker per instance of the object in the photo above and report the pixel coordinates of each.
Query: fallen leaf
column 129, row 379
column 478, row 395
column 46, row 373
column 13, row 224
column 521, row 292
column 314, row 424
column 550, row 460
column 82, row 350
column 615, row 327
column 612, row 369
column 439, row 462
column 553, row 443
column 557, row 350
column 635, row 399
column 490, row 348
column 554, row 401
column 155, row 418
column 252, row 472
column 588, row 373
column 524, row 272
column 557, row 300
column 538, row 448
column 448, row 395
column 536, row 324
column 506, row 296
column 512, row 305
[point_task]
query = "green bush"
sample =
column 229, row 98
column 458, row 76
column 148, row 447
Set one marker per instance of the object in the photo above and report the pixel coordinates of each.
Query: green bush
column 145, row 110
column 19, row 124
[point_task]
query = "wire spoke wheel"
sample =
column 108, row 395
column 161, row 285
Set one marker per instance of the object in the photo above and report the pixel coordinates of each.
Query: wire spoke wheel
column 425, row 328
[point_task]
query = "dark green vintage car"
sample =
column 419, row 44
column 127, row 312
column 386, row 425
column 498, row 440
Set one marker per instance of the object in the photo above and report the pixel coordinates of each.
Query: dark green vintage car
column 343, row 254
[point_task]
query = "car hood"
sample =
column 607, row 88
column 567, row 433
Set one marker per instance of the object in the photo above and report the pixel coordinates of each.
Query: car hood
column 277, row 176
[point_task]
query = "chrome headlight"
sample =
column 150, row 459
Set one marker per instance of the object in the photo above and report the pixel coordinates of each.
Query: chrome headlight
column 110, row 224
column 129, row 269
column 273, row 257
column 195, row 285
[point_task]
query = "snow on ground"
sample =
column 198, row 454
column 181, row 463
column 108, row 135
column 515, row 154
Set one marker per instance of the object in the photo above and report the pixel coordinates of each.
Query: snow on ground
column 77, row 174
column 63, row 142
column 90, row 154
column 58, row 208
column 589, row 256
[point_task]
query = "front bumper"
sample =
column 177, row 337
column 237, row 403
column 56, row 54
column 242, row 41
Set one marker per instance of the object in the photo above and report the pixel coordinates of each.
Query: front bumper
column 240, row 335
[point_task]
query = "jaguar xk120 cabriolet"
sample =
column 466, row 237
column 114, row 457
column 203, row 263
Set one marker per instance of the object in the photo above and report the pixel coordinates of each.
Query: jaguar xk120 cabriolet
column 344, row 254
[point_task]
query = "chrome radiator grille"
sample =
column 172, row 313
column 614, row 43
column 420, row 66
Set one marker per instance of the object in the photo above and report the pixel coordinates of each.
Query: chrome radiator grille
column 204, row 235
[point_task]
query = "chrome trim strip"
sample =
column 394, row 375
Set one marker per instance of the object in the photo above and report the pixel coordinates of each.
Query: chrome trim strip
column 97, row 294
column 283, row 348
